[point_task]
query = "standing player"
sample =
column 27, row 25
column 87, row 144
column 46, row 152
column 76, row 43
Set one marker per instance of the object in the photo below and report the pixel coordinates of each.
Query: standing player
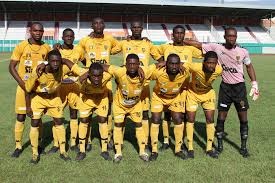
column 144, row 49
column 94, row 98
column 167, row 95
column 232, row 88
column 46, row 98
column 201, row 92
column 127, row 102
column 98, row 48
column 69, row 90
column 186, row 53
column 26, row 55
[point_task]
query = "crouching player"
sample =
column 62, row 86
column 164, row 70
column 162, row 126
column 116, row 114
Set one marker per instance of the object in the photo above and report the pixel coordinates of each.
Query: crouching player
column 166, row 96
column 44, row 87
column 201, row 92
column 127, row 102
column 93, row 98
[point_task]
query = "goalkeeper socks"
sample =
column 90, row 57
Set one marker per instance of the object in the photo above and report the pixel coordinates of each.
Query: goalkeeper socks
column 55, row 140
column 18, row 134
column 74, row 129
column 82, row 133
column 189, row 135
column 165, row 131
column 210, row 132
column 145, row 126
column 178, row 132
column 118, row 139
column 141, row 139
column 61, row 136
column 103, row 130
column 154, row 136
column 34, row 135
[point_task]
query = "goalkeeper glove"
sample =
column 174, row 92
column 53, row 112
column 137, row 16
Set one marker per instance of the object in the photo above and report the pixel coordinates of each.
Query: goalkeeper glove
column 254, row 92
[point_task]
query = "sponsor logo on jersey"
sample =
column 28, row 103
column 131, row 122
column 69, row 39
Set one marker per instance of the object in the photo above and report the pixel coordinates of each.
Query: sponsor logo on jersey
column 229, row 69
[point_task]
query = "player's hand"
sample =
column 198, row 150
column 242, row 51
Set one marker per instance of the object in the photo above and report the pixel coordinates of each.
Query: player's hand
column 29, row 112
column 146, row 39
column 141, row 74
column 40, row 69
column 161, row 64
column 92, row 35
column 254, row 92
column 129, row 38
column 83, row 77
column 56, row 46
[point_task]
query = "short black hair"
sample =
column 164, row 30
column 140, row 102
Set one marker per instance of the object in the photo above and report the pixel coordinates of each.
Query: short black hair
column 67, row 29
column 136, row 20
column 36, row 23
column 95, row 66
column 229, row 28
column 210, row 54
column 172, row 55
column 53, row 52
column 132, row 56
column 97, row 18
column 178, row 27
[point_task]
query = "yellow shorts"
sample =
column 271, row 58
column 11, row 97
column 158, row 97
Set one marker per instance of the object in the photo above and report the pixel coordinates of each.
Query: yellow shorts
column 119, row 112
column 159, row 104
column 52, row 105
column 110, row 91
column 69, row 94
column 87, row 104
column 145, row 98
column 20, row 101
column 207, row 100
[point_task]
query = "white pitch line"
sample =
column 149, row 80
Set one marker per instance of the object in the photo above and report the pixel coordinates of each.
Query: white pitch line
column 1, row 61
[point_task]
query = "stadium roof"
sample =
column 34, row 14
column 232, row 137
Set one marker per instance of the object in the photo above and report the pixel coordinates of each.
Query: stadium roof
column 241, row 8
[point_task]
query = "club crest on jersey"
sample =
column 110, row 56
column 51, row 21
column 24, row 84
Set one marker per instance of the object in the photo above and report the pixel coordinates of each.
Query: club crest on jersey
column 238, row 58
column 143, row 50
column 105, row 47
column 186, row 57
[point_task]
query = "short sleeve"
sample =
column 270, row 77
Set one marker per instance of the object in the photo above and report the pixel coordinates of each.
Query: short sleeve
column 154, row 52
column 246, row 60
column 114, row 70
column 196, row 53
column 209, row 47
column 17, row 53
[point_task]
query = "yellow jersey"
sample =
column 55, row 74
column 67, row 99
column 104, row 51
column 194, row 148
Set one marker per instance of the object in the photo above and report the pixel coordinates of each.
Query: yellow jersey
column 29, row 56
column 202, row 82
column 129, row 89
column 166, row 88
column 98, row 49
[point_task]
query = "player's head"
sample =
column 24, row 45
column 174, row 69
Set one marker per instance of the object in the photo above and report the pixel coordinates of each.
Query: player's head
column 230, row 36
column 54, row 60
column 132, row 65
column 178, row 33
column 210, row 62
column 36, row 31
column 172, row 64
column 98, row 25
column 68, row 36
column 96, row 74
column 136, row 28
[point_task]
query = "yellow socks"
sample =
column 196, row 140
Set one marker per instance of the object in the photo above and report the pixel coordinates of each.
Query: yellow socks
column 61, row 136
column 118, row 139
column 34, row 135
column 189, row 135
column 178, row 132
column 154, row 136
column 210, row 132
column 141, row 139
column 165, row 130
column 103, row 130
column 74, row 129
column 18, row 133
column 55, row 140
column 110, row 127
column 82, row 133
column 145, row 126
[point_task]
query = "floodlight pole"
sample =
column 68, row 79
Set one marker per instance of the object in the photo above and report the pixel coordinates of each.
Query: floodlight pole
column 78, row 17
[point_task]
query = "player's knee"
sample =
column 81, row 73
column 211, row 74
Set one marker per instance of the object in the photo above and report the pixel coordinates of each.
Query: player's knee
column 84, row 120
column 177, row 120
column 101, row 119
column 156, row 119
column 222, row 115
column 35, row 122
column 209, row 120
column 145, row 115
column 138, row 125
column 119, row 125
column 21, row 117
column 58, row 121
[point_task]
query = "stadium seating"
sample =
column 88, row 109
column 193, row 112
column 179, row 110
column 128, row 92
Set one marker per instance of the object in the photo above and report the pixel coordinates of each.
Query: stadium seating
column 16, row 30
column 262, row 35
column 156, row 32
column 202, row 33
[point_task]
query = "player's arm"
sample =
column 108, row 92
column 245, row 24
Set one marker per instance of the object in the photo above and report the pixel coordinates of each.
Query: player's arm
column 156, row 54
column 30, row 83
column 193, row 43
column 15, row 75
column 28, row 105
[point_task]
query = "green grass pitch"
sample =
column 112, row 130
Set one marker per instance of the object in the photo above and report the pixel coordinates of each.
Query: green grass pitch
column 230, row 167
